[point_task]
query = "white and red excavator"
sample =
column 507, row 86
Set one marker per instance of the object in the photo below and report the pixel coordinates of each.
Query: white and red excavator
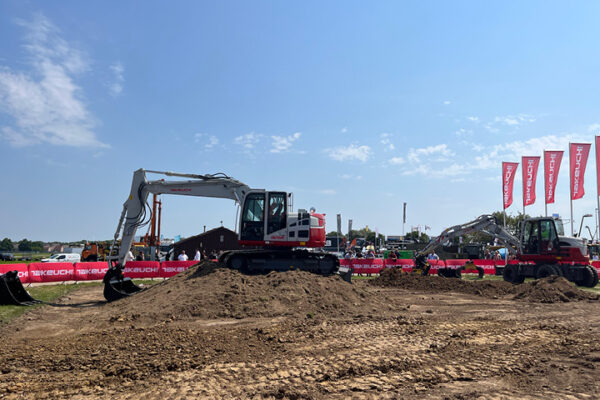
column 280, row 239
column 540, row 250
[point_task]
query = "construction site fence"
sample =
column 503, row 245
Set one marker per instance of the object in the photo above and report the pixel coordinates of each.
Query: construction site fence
column 376, row 265
column 38, row 272
column 89, row 271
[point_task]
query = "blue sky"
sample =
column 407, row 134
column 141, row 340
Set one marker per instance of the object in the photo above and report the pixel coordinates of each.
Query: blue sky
column 354, row 107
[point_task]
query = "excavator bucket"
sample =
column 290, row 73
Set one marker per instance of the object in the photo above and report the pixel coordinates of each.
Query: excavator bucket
column 116, row 286
column 12, row 291
column 116, row 289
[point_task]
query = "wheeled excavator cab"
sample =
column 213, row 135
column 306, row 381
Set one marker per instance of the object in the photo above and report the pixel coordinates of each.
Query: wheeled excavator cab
column 116, row 286
column 12, row 291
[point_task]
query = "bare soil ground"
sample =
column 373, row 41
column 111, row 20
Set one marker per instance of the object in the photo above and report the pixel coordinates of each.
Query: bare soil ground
column 215, row 333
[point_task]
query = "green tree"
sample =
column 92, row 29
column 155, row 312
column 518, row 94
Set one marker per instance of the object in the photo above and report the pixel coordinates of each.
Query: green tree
column 419, row 238
column 6, row 245
column 24, row 245
column 37, row 246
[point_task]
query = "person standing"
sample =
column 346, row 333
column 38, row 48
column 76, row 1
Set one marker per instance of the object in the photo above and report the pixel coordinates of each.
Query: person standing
column 197, row 257
column 182, row 256
column 129, row 256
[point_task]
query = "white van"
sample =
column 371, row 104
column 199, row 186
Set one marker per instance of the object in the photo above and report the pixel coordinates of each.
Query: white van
column 63, row 257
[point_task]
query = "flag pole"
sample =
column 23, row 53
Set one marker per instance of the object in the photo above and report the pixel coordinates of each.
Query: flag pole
column 597, row 190
column 571, row 191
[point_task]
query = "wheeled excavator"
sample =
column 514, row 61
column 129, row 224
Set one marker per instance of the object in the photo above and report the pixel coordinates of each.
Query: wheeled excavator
column 280, row 238
column 541, row 250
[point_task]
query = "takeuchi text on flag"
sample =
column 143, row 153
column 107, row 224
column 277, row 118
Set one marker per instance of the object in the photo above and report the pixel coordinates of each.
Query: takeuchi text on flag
column 552, row 160
column 509, row 170
column 530, row 168
column 578, row 156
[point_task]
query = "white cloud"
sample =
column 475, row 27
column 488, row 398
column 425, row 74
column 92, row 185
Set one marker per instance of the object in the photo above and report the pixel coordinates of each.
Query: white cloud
column 473, row 119
column 386, row 141
column 447, row 102
column 208, row 141
column 414, row 155
column 349, row 153
column 463, row 132
column 396, row 160
column 284, row 143
column 511, row 121
column 46, row 105
column 248, row 141
column 594, row 128
column 344, row 130
column 350, row 176
column 116, row 87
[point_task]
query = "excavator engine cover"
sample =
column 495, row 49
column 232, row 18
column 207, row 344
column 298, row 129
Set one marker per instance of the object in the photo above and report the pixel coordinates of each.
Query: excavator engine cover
column 116, row 286
column 12, row 291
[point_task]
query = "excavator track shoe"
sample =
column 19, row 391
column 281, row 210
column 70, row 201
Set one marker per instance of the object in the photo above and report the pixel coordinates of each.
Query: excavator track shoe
column 118, row 288
column 12, row 291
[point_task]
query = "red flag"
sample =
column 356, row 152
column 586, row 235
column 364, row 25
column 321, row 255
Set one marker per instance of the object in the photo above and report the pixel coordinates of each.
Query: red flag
column 578, row 155
column 552, row 160
column 530, row 168
column 508, row 178
column 598, row 162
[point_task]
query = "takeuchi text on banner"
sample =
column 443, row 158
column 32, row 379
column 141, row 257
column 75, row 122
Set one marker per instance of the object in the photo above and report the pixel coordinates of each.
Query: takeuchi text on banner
column 530, row 168
column 552, row 160
column 578, row 156
column 508, row 178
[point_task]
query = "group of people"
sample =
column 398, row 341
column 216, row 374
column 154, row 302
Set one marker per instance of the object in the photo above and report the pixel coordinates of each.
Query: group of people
column 181, row 257
column 198, row 256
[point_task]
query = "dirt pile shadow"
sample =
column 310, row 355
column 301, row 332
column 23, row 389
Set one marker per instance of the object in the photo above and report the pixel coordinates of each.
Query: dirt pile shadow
column 548, row 290
column 210, row 290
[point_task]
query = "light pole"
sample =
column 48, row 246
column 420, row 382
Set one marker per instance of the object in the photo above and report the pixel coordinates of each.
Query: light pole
column 581, row 225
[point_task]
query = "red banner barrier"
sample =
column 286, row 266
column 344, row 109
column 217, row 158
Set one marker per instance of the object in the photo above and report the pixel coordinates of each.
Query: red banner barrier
column 51, row 272
column 435, row 266
column 489, row 266
column 20, row 268
column 405, row 263
column 453, row 264
column 141, row 269
column 366, row 265
column 90, row 271
column 596, row 264
column 170, row 268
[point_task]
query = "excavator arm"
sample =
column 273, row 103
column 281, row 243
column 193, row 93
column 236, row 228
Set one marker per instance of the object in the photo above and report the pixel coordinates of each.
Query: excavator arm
column 135, row 209
column 486, row 224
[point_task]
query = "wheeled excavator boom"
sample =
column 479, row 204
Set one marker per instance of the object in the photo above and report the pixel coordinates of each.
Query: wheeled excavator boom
column 267, row 223
column 541, row 250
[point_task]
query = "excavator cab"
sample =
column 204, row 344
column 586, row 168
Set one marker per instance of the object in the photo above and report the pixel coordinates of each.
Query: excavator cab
column 540, row 237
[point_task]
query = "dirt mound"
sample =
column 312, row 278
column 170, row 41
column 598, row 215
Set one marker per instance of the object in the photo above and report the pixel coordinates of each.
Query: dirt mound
column 552, row 289
column 548, row 290
column 210, row 290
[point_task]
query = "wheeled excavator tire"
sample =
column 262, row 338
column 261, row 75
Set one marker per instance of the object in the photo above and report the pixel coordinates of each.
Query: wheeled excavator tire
column 511, row 274
column 12, row 291
column 590, row 278
column 545, row 271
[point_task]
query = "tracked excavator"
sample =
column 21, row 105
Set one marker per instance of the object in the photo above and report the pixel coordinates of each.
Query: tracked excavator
column 276, row 237
column 541, row 250
column 280, row 239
